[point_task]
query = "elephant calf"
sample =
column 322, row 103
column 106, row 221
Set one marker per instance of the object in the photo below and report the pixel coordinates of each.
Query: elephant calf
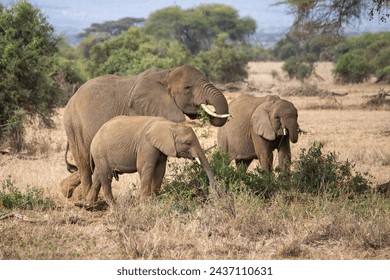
column 140, row 143
column 259, row 126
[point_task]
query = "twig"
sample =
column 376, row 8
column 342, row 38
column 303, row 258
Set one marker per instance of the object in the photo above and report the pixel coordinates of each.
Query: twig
column 339, row 94
column 20, row 217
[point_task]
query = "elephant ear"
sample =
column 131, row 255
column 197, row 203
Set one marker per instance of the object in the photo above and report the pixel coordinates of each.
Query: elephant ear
column 161, row 137
column 150, row 96
column 261, row 123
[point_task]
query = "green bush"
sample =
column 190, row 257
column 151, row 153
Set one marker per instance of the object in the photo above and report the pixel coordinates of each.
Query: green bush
column 314, row 173
column 384, row 74
column 224, row 62
column 352, row 68
column 28, row 49
column 133, row 52
column 317, row 173
column 69, row 72
column 297, row 68
column 11, row 197
column 360, row 57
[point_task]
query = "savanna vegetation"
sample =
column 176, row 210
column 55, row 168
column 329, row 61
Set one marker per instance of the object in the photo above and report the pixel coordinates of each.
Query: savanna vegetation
column 327, row 207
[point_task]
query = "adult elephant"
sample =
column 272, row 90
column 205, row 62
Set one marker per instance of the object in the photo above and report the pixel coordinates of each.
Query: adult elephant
column 170, row 93
column 259, row 126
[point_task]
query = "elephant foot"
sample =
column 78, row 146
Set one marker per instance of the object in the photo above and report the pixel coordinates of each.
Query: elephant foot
column 100, row 205
column 69, row 184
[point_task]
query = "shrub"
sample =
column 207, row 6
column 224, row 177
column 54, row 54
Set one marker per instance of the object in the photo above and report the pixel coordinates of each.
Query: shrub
column 11, row 197
column 133, row 52
column 27, row 54
column 297, row 68
column 359, row 57
column 384, row 75
column 352, row 68
column 224, row 62
column 314, row 173
column 317, row 173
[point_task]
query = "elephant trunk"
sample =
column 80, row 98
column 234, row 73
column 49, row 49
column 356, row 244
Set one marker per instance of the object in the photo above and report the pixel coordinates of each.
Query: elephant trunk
column 200, row 157
column 292, row 127
column 210, row 95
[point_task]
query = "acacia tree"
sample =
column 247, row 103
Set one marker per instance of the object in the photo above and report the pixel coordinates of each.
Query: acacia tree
column 313, row 17
column 318, row 27
column 109, row 29
column 198, row 28
column 27, row 49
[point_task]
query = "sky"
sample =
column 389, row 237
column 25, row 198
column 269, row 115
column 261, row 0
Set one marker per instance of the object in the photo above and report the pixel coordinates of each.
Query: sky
column 72, row 16
column 79, row 14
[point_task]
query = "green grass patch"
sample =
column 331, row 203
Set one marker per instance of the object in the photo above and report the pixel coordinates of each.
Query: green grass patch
column 11, row 197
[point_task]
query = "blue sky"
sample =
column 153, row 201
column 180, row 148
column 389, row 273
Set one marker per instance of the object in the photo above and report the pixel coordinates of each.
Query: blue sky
column 72, row 16
column 81, row 13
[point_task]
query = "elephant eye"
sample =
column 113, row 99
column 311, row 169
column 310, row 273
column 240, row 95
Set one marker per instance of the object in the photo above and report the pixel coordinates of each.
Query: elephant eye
column 187, row 87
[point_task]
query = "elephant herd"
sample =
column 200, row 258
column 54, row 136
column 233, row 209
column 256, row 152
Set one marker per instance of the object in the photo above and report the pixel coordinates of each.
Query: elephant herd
column 117, row 125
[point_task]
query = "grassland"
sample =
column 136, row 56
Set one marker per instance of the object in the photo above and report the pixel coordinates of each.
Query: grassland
column 289, row 225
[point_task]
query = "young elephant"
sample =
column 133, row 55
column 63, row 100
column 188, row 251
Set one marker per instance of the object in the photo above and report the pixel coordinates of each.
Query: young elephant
column 259, row 126
column 140, row 143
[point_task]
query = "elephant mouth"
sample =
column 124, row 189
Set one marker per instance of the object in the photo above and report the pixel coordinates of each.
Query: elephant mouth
column 192, row 116
column 282, row 131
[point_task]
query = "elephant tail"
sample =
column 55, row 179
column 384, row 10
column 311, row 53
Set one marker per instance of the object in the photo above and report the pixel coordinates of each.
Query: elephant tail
column 71, row 168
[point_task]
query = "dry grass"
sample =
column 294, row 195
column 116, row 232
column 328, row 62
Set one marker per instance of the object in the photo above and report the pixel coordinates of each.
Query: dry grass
column 238, row 226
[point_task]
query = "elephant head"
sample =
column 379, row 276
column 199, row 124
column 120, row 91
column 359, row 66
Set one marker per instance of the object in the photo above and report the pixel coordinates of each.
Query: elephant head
column 180, row 141
column 274, row 116
column 190, row 89
column 173, row 93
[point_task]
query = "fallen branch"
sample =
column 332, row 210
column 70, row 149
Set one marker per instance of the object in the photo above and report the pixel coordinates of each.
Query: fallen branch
column 339, row 94
column 21, row 217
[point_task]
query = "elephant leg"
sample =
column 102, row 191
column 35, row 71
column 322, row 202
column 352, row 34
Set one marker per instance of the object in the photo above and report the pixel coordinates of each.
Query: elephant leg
column 146, row 176
column 70, row 183
column 263, row 151
column 79, row 147
column 284, row 153
column 244, row 162
column 158, row 175
column 82, row 162
column 147, row 162
column 94, row 191
column 107, row 189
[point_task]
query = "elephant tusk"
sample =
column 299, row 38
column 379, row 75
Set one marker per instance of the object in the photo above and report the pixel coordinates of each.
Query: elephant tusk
column 213, row 114
column 281, row 132
column 198, row 160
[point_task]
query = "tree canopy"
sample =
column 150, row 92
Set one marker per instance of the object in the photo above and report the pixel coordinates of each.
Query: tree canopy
column 313, row 17
column 109, row 29
column 198, row 28
column 27, row 49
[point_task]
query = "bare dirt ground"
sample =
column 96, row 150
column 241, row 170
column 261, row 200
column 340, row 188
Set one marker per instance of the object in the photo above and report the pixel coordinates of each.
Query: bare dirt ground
column 147, row 230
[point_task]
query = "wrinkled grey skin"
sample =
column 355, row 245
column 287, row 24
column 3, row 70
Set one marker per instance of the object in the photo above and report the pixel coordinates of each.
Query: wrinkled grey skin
column 140, row 144
column 170, row 93
column 255, row 130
